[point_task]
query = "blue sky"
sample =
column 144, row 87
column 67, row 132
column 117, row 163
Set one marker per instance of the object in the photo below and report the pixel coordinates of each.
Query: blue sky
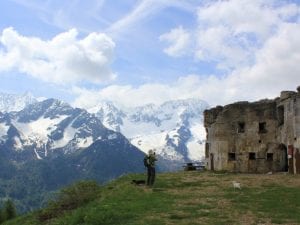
column 149, row 51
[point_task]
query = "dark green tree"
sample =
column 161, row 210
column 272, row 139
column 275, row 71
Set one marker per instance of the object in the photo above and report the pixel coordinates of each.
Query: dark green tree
column 9, row 210
column 2, row 218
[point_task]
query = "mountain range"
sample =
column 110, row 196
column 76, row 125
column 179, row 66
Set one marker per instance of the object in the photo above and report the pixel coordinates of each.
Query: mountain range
column 47, row 144
column 50, row 144
column 174, row 129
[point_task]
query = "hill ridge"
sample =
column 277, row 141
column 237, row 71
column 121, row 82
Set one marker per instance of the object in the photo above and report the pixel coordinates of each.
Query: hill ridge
column 183, row 198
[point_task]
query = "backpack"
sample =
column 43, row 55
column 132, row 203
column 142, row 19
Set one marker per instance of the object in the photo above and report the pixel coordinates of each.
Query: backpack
column 146, row 161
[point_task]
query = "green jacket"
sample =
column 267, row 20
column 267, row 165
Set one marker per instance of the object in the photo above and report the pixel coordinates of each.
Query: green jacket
column 151, row 160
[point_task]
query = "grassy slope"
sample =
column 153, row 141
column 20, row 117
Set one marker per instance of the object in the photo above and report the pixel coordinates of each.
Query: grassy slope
column 189, row 198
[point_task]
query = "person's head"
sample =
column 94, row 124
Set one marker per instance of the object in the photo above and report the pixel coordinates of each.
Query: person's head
column 150, row 152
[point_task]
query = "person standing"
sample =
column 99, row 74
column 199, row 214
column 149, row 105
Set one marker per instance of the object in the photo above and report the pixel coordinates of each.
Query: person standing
column 150, row 164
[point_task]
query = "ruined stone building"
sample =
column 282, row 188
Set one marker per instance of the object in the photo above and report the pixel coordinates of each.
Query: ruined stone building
column 256, row 137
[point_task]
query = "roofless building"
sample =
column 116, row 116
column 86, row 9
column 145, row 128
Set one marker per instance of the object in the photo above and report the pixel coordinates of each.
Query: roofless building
column 256, row 137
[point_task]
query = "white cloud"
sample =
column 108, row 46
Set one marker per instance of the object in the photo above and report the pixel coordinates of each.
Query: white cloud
column 212, row 47
column 276, row 69
column 230, row 33
column 239, row 16
column 122, row 95
column 257, row 42
column 64, row 58
column 277, row 63
column 143, row 10
column 212, row 89
column 127, row 95
column 179, row 40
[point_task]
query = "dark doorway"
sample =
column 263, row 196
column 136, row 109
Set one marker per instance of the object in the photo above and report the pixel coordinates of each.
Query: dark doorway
column 284, row 158
column 269, row 156
column 297, row 157
column 212, row 167
column 291, row 158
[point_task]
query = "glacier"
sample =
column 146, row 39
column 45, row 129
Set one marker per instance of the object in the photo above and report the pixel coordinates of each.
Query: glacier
column 174, row 129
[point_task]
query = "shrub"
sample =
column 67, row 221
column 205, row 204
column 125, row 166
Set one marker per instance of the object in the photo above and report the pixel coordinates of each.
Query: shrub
column 8, row 211
column 70, row 198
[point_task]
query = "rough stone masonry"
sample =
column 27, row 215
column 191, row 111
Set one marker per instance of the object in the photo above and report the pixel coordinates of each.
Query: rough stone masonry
column 257, row 137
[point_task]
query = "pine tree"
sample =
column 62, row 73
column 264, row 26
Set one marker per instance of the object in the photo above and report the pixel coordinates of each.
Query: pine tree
column 2, row 217
column 9, row 210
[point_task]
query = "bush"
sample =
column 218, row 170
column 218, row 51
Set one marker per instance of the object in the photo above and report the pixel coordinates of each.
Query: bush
column 70, row 198
column 2, row 218
column 8, row 211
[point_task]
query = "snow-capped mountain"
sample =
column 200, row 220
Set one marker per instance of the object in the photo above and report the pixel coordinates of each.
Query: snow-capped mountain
column 109, row 114
column 49, row 144
column 51, row 126
column 174, row 129
column 15, row 102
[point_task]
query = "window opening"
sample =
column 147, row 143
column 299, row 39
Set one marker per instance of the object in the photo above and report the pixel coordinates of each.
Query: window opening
column 231, row 156
column 262, row 127
column 280, row 115
column 270, row 156
column 241, row 127
column 252, row 156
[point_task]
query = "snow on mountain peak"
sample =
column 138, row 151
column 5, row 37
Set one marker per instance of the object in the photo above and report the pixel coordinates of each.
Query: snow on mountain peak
column 15, row 102
column 174, row 128
column 109, row 114
column 48, row 125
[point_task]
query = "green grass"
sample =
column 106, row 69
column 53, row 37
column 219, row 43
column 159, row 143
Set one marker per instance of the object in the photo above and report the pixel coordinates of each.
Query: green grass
column 186, row 198
column 281, row 204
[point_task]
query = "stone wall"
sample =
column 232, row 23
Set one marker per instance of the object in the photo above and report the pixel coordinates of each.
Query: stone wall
column 254, row 137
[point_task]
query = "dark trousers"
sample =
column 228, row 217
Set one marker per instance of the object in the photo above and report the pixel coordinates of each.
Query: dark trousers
column 151, row 176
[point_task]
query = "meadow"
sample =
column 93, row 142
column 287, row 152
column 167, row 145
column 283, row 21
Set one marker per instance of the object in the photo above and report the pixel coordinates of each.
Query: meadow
column 185, row 198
